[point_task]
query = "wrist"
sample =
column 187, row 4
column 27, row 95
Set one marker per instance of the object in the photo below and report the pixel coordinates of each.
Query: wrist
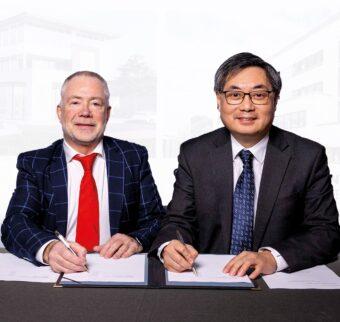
column 46, row 254
column 270, row 257
column 139, row 244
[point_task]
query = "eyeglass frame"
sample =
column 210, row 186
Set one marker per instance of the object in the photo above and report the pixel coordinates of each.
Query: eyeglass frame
column 244, row 95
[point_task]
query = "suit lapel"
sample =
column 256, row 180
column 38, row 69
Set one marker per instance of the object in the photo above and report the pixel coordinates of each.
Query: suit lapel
column 274, row 168
column 115, row 167
column 58, row 179
column 221, row 159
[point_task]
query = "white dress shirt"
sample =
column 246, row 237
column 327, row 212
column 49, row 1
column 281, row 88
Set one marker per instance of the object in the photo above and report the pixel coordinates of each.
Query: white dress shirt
column 75, row 173
column 259, row 153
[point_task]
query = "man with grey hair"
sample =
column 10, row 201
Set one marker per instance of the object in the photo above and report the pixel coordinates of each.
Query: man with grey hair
column 95, row 190
column 249, row 188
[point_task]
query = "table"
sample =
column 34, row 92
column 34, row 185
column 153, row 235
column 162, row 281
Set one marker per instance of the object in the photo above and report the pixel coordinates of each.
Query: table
column 23, row 301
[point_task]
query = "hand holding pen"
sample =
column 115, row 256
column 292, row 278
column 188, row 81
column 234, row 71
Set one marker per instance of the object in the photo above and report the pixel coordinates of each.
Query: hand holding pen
column 180, row 238
column 66, row 257
column 178, row 256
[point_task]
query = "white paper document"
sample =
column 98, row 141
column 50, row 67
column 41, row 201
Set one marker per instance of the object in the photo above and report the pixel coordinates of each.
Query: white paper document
column 13, row 268
column 209, row 273
column 103, row 271
column 318, row 277
column 125, row 271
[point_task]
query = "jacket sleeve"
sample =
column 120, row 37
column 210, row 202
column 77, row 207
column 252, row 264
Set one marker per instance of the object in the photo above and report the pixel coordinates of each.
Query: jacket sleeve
column 150, row 209
column 318, row 238
column 181, row 211
column 21, row 230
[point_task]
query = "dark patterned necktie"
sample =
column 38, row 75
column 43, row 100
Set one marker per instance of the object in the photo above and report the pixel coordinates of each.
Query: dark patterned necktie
column 243, row 207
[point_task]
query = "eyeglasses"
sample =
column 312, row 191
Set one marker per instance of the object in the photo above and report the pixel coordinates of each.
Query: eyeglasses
column 257, row 97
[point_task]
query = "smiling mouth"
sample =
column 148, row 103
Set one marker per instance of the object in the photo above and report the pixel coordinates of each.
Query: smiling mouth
column 84, row 125
column 246, row 119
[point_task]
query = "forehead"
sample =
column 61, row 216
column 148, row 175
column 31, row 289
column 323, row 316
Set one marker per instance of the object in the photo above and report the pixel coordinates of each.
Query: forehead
column 249, row 77
column 84, row 86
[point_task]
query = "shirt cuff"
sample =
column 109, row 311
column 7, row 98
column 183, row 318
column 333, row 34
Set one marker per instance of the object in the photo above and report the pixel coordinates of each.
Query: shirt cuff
column 280, row 261
column 160, row 249
column 40, row 253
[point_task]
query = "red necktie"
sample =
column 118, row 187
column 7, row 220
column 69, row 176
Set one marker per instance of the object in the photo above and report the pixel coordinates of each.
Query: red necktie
column 88, row 208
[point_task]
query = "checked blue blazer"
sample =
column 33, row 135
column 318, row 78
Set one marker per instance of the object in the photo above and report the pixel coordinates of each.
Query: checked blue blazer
column 39, row 203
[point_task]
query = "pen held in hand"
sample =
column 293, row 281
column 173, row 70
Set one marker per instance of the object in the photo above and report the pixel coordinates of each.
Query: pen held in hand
column 67, row 245
column 180, row 238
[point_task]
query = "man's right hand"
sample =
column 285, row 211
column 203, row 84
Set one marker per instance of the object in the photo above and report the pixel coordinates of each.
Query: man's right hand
column 62, row 260
column 178, row 257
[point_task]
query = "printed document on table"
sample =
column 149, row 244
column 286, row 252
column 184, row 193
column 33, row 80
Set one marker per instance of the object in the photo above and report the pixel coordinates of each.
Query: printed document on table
column 318, row 277
column 106, row 272
column 124, row 271
column 209, row 273
column 13, row 268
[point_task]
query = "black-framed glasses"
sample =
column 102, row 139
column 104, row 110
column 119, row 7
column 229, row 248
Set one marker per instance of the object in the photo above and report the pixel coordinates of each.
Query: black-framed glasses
column 260, row 97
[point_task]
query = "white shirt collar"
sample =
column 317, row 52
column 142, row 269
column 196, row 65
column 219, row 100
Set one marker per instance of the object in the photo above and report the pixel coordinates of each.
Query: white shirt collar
column 258, row 150
column 70, row 153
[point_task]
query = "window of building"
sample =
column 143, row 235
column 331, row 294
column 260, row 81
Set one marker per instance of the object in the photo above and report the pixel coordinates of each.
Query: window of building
column 307, row 63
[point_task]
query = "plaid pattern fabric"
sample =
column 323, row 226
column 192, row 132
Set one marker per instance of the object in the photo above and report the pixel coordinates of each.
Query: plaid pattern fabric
column 39, row 202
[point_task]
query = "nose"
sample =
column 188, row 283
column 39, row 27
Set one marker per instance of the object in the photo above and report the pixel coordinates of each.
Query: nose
column 247, row 105
column 85, row 110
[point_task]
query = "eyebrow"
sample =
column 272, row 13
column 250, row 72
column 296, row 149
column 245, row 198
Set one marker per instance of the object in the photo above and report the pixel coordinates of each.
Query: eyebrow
column 259, row 86
column 90, row 98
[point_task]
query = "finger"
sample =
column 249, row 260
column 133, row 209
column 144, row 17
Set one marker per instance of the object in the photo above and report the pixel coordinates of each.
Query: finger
column 231, row 263
column 172, row 265
column 113, row 248
column 244, row 268
column 60, row 269
column 134, row 247
column 192, row 251
column 129, row 253
column 184, row 252
column 105, row 248
column 256, row 272
column 74, row 259
column 60, row 251
column 79, row 250
column 177, row 247
column 98, row 248
column 178, row 258
column 68, row 266
column 71, row 261
column 236, row 266
column 122, row 249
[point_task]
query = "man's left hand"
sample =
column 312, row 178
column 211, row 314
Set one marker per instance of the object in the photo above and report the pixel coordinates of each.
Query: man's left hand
column 119, row 246
column 262, row 262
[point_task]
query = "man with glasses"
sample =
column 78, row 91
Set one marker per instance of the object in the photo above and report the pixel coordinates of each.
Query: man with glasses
column 249, row 188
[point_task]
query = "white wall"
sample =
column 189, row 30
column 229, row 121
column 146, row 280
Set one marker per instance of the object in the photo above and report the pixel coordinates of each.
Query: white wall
column 177, row 47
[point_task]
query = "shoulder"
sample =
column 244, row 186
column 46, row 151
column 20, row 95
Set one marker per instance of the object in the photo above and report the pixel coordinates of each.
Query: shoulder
column 38, row 157
column 205, row 141
column 297, row 143
column 128, row 150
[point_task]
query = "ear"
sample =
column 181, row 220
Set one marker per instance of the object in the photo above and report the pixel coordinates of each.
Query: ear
column 276, row 100
column 218, row 100
column 108, row 113
column 59, row 112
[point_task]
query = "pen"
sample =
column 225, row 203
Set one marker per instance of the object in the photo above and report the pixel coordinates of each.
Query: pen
column 67, row 245
column 180, row 238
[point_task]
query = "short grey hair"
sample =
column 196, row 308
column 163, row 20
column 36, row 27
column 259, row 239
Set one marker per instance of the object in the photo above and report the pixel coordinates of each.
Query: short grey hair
column 86, row 73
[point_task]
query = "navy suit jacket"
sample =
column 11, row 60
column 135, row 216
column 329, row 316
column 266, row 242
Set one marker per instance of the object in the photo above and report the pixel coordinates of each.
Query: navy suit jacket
column 39, row 203
column 296, row 211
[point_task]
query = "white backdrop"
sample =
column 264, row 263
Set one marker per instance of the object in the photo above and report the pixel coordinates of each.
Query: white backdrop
column 159, row 58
